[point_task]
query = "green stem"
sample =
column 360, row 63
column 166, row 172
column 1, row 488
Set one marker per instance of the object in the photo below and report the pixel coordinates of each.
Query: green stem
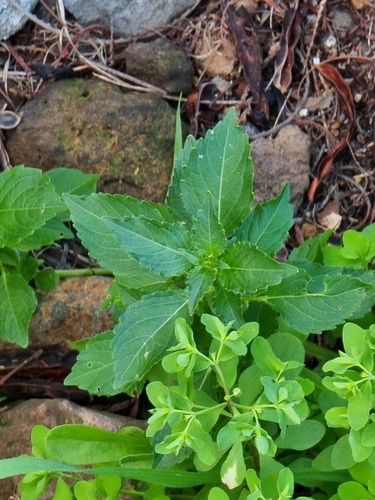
column 319, row 352
column 315, row 379
column 133, row 493
column 95, row 271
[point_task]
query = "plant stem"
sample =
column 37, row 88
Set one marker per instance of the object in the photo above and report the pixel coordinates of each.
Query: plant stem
column 95, row 271
column 317, row 381
column 318, row 352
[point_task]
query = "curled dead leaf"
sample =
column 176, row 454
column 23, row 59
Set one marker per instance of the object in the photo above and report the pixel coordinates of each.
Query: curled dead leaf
column 285, row 56
column 343, row 90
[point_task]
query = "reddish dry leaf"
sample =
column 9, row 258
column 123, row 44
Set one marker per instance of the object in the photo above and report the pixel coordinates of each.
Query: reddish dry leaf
column 284, row 61
column 333, row 76
column 249, row 54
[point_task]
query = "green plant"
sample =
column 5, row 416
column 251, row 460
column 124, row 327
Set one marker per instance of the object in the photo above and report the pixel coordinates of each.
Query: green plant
column 236, row 413
column 358, row 249
column 31, row 217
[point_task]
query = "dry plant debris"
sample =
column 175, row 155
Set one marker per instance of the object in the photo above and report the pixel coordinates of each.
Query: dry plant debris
column 309, row 63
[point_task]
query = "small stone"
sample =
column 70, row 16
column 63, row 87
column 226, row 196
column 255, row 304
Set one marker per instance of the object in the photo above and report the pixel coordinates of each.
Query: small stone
column 330, row 42
column 69, row 313
column 343, row 19
column 278, row 161
column 11, row 19
column 161, row 63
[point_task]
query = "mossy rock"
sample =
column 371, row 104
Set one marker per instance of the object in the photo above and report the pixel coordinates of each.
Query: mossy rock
column 127, row 137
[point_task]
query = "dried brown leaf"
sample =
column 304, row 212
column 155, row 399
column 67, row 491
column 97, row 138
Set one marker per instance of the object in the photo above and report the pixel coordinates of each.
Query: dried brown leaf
column 333, row 76
column 284, row 61
column 249, row 54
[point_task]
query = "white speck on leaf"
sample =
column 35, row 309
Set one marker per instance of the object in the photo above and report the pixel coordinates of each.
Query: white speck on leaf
column 229, row 478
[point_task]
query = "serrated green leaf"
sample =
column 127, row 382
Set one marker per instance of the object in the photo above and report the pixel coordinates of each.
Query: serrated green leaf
column 208, row 234
column 28, row 267
column 14, row 320
column 250, row 270
column 27, row 201
column 171, row 478
column 92, row 445
column 220, row 164
column 9, row 257
column 159, row 247
column 52, row 230
column 143, row 335
column 307, row 312
column 227, row 305
column 174, row 199
column 72, row 181
column 267, row 226
column 311, row 249
column 87, row 214
column 94, row 369
column 199, row 282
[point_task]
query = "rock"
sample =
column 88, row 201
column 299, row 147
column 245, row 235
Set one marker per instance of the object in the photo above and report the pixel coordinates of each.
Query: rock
column 92, row 125
column 71, row 312
column 11, row 19
column 343, row 19
column 129, row 17
column 278, row 161
column 161, row 63
column 17, row 422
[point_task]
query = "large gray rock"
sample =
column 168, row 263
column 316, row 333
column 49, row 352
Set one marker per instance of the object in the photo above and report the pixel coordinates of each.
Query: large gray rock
column 91, row 125
column 11, row 19
column 129, row 17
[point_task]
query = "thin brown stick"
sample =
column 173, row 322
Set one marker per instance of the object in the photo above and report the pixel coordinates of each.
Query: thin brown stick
column 20, row 366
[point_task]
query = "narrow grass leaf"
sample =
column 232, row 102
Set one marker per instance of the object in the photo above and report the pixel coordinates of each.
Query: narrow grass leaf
column 169, row 478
